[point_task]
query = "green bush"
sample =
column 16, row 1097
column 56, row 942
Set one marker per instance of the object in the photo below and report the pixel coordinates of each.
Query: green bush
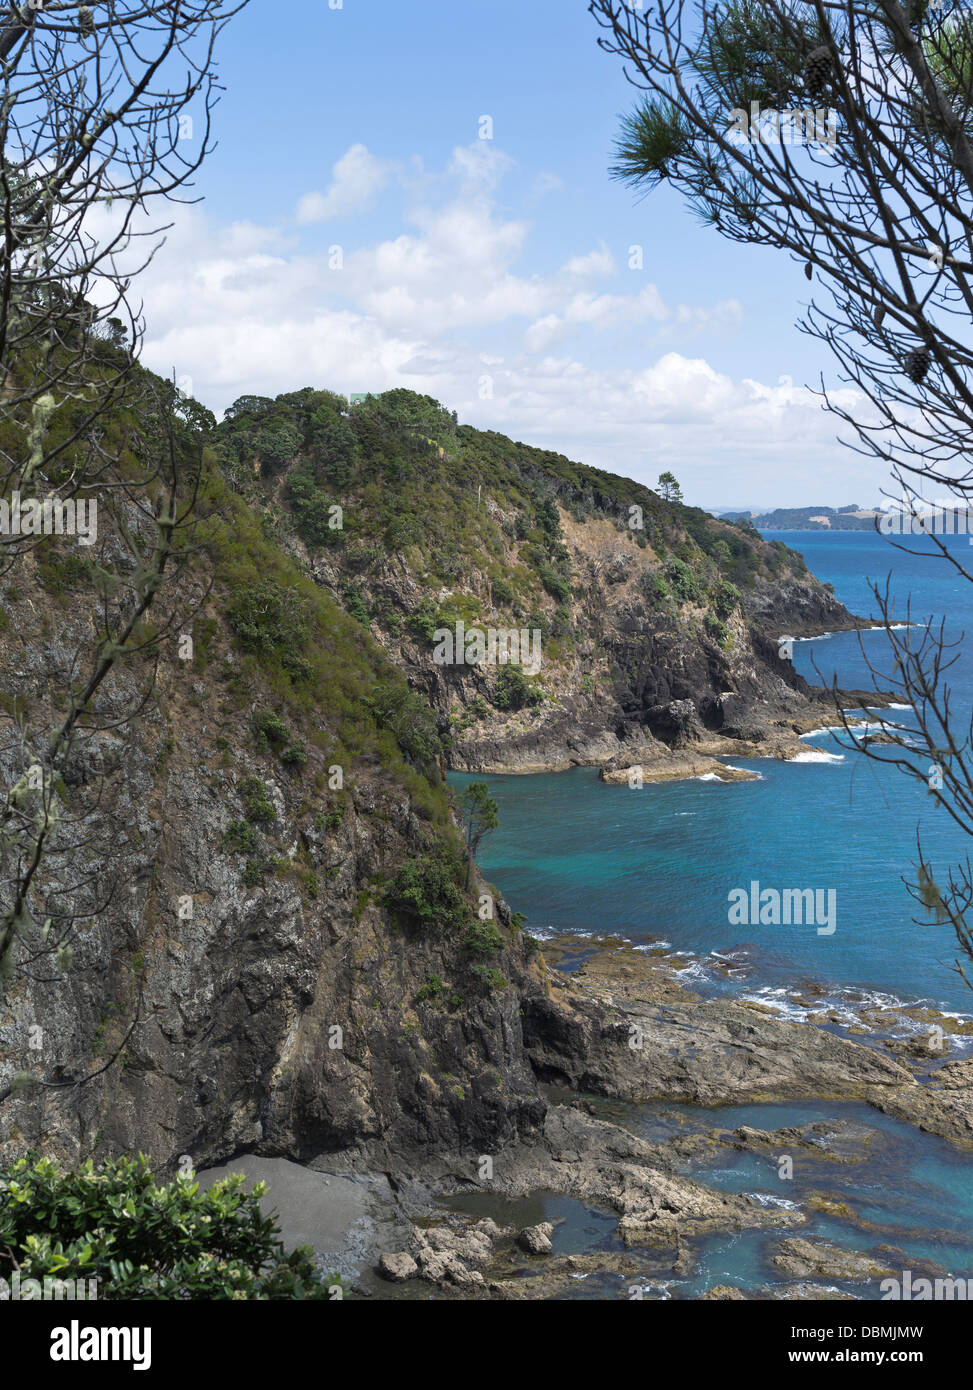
column 725, row 599
column 270, row 620
column 432, row 989
column 427, row 889
column 269, row 730
column 408, row 717
column 294, row 755
column 555, row 583
column 240, row 838
column 512, row 690
column 482, row 939
column 685, row 584
column 256, row 803
column 141, row 1239
column 502, row 592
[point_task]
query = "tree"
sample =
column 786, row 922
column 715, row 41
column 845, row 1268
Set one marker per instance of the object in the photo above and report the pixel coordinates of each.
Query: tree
column 481, row 815
column 722, row 556
column 669, row 489
column 106, row 112
column 115, row 1232
column 99, row 105
column 841, row 132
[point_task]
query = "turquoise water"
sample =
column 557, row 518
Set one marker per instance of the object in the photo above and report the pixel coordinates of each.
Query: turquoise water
column 577, row 855
column 659, row 863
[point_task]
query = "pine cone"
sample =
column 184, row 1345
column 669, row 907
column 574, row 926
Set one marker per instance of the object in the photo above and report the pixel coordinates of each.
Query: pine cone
column 817, row 72
column 916, row 364
column 86, row 20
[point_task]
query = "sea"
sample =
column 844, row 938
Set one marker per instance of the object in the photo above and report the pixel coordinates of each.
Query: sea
column 662, row 866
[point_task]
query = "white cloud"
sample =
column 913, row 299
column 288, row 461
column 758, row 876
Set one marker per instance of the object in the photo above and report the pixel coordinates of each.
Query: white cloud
column 355, row 180
column 444, row 306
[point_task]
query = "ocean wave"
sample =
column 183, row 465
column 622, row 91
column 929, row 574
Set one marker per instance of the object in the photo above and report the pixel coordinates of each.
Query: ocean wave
column 766, row 1200
column 818, row 756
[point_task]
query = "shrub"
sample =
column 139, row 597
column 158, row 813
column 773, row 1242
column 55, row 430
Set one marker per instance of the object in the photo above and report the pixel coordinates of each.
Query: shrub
column 424, row 621
column 555, row 583
column 141, row 1239
column 240, row 838
column 269, row 730
column 427, row 889
column 502, row 592
column 482, row 939
column 717, row 630
column 725, row 599
column 408, row 717
column 295, row 755
column 685, row 584
column 432, row 989
column 512, row 690
column 270, row 621
column 276, row 444
column 257, row 804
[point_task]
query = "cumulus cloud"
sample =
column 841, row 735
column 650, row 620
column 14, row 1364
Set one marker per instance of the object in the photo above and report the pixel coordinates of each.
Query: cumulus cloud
column 443, row 305
column 355, row 180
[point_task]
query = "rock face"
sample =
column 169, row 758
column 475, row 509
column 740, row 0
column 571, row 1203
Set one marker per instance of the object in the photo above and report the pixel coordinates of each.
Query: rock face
column 706, row 1053
column 290, row 1017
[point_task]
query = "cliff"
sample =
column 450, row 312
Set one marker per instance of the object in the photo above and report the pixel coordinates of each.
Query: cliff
column 653, row 625
column 271, row 945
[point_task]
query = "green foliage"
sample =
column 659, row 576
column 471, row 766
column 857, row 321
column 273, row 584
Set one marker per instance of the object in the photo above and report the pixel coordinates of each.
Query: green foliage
column 241, row 838
column 59, row 569
column 276, row 444
column 270, row 620
column 491, row 977
column 141, row 1239
column 410, row 719
column 482, row 939
column 554, row 582
column 427, row 890
column 726, row 597
column 685, row 584
column 294, row 756
column 480, row 815
column 424, row 621
column 652, row 138
column 502, row 592
column 716, row 629
column 432, row 989
column 669, row 488
column 258, row 806
column 512, row 690
column 312, row 509
column 269, row 730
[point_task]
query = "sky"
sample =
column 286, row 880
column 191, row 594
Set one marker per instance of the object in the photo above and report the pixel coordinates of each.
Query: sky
column 417, row 194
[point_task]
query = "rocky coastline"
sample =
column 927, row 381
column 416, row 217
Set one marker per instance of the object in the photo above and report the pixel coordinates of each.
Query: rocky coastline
column 621, row 1029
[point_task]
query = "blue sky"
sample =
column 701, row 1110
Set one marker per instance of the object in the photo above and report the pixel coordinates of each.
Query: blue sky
column 358, row 233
